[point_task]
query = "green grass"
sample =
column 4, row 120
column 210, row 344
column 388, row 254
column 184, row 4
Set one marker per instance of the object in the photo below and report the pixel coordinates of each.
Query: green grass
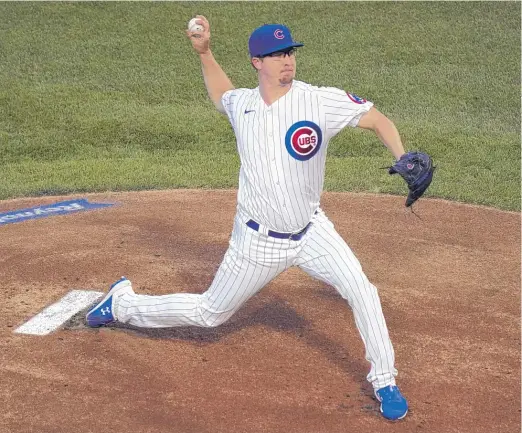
column 109, row 95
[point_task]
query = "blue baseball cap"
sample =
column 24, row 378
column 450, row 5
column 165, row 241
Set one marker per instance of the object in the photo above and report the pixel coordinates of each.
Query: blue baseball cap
column 270, row 38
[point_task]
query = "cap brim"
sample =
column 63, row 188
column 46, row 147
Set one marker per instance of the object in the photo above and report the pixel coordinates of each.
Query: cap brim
column 280, row 48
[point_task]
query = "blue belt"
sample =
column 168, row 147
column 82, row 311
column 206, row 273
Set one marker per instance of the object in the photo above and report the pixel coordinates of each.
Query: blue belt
column 292, row 236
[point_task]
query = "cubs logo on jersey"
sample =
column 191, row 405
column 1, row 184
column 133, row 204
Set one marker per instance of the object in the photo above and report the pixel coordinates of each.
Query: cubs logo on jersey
column 303, row 140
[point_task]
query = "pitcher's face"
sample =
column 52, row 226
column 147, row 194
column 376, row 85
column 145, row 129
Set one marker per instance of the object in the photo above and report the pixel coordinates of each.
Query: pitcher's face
column 277, row 67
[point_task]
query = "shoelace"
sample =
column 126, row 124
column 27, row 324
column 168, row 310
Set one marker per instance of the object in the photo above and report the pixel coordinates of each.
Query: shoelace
column 393, row 394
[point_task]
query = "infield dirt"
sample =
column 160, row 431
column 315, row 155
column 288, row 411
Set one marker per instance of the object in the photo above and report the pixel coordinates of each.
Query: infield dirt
column 291, row 360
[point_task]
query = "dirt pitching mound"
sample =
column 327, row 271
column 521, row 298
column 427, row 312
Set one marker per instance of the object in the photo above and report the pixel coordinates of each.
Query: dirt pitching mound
column 291, row 360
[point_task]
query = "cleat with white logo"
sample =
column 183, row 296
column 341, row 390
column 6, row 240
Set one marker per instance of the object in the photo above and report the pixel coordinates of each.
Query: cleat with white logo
column 103, row 312
column 393, row 405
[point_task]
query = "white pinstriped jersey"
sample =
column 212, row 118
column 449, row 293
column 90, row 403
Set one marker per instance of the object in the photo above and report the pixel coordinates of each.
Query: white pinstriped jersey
column 282, row 148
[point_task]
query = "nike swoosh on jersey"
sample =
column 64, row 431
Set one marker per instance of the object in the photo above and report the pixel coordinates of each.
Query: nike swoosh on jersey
column 249, row 111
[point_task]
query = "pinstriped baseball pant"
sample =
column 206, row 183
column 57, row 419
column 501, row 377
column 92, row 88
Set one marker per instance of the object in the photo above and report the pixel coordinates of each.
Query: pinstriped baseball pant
column 252, row 261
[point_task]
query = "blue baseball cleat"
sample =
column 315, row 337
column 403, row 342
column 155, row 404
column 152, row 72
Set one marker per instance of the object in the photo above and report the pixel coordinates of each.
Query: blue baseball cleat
column 102, row 313
column 393, row 405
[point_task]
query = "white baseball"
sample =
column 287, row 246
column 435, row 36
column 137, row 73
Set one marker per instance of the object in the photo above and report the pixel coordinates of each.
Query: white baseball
column 193, row 26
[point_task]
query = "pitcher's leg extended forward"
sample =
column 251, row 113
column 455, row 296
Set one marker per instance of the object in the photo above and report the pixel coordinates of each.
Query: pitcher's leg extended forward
column 250, row 263
column 236, row 281
column 327, row 257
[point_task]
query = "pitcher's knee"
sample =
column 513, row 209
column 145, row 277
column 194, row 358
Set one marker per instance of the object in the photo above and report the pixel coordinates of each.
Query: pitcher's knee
column 212, row 319
column 212, row 314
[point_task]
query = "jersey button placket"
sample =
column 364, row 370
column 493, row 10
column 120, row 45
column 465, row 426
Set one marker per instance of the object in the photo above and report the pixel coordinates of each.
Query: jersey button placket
column 270, row 140
column 271, row 150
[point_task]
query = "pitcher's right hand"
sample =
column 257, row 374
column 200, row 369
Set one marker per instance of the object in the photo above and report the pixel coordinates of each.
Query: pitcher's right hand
column 200, row 39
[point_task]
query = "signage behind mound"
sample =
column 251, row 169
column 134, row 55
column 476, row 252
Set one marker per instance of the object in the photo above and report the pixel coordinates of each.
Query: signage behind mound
column 60, row 208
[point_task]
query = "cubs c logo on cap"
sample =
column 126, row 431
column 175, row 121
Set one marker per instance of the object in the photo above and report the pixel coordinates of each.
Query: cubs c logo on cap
column 279, row 34
column 356, row 99
column 303, row 140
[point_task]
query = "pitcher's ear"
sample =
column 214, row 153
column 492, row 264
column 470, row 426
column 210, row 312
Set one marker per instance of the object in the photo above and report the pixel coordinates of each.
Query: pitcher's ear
column 255, row 62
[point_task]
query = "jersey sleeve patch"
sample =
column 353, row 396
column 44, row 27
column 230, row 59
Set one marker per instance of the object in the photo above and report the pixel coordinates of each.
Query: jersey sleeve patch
column 356, row 99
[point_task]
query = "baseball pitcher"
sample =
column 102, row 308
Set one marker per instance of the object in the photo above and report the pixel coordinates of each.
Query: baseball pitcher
column 282, row 128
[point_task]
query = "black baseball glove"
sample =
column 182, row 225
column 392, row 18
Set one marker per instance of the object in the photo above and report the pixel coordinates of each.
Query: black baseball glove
column 416, row 168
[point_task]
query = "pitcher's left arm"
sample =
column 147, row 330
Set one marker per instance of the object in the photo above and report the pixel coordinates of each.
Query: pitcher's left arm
column 385, row 130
